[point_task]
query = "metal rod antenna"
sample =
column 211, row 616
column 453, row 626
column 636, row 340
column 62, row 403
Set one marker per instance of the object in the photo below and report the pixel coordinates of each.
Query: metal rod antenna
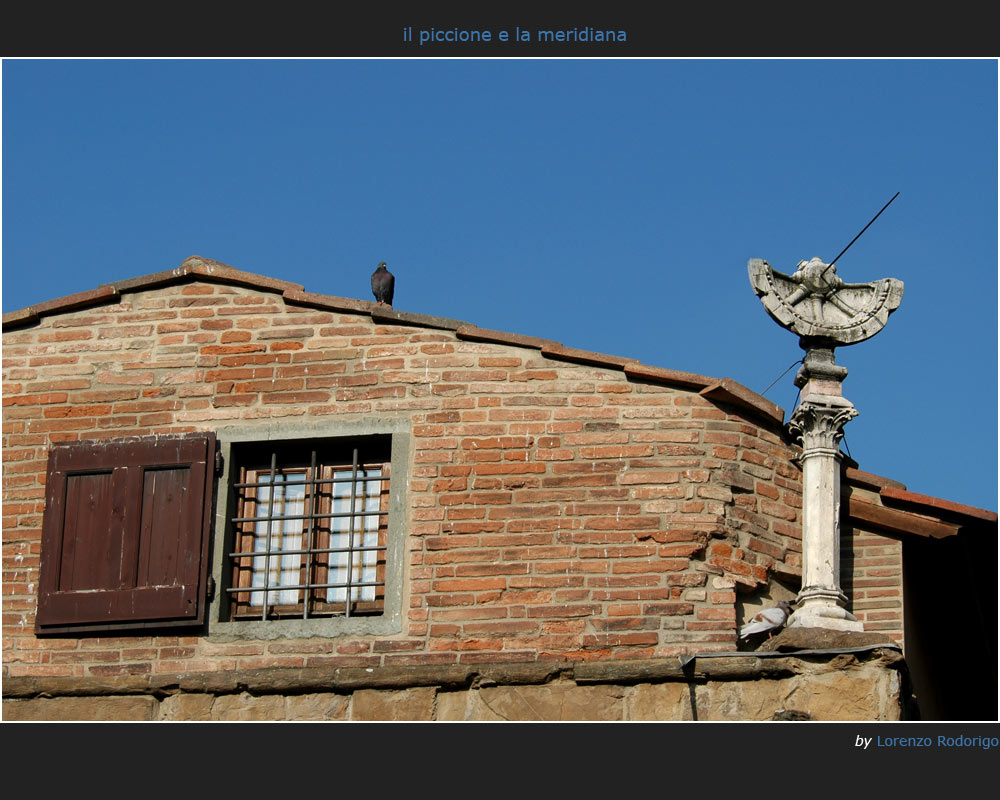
column 862, row 231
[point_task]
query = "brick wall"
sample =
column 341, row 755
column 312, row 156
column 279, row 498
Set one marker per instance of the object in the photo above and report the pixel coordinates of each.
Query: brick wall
column 561, row 505
column 872, row 566
column 871, row 562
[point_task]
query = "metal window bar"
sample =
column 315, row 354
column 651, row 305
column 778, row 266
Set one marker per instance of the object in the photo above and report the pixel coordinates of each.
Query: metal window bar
column 276, row 543
column 258, row 553
column 267, row 558
column 306, row 594
column 311, row 482
column 310, row 585
column 350, row 535
column 311, row 516
column 306, row 482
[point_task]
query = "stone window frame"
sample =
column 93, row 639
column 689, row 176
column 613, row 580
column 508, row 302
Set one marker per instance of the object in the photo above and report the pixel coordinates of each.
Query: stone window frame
column 390, row 621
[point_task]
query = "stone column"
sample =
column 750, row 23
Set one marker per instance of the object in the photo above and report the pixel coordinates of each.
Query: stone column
column 819, row 421
column 826, row 313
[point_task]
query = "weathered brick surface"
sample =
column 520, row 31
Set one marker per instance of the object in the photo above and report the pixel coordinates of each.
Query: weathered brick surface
column 561, row 504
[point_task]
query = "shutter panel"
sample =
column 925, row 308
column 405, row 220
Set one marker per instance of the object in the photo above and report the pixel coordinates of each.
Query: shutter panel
column 125, row 534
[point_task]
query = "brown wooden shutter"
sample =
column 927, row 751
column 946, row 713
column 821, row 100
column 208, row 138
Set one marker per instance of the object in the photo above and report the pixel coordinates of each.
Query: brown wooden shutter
column 125, row 533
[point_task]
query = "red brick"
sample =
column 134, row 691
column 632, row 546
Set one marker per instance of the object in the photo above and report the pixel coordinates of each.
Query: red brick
column 36, row 399
column 668, row 609
column 221, row 350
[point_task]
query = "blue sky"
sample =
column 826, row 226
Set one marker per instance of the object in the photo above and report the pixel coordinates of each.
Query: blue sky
column 611, row 205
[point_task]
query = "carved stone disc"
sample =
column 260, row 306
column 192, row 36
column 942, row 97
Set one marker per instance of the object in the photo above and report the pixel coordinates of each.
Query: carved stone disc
column 815, row 303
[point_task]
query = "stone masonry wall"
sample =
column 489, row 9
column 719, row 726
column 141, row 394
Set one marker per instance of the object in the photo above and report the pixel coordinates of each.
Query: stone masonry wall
column 561, row 505
column 869, row 685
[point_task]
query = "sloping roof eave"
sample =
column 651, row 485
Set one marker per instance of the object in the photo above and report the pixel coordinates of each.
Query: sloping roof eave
column 198, row 268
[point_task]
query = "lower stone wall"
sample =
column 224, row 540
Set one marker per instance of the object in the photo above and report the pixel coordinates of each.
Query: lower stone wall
column 869, row 685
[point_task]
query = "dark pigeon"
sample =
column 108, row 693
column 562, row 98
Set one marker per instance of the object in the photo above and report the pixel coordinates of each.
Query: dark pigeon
column 383, row 284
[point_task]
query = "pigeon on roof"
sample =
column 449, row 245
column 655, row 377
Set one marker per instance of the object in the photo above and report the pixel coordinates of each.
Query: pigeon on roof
column 383, row 284
column 767, row 620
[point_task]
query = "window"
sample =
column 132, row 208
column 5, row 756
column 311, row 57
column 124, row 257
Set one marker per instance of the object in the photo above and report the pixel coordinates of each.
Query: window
column 125, row 534
column 310, row 524
column 310, row 537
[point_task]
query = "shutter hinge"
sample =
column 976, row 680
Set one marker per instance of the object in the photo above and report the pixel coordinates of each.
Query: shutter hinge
column 218, row 462
column 210, row 593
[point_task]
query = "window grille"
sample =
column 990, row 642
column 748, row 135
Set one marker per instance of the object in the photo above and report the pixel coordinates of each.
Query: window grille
column 310, row 540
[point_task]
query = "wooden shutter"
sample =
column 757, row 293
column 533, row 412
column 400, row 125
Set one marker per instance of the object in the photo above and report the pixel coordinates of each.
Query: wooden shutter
column 125, row 533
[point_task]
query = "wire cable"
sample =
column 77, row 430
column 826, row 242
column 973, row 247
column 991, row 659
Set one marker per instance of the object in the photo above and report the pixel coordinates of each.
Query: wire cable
column 782, row 375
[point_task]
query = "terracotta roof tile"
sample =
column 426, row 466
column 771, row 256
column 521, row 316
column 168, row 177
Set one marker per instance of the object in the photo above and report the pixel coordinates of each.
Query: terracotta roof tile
column 78, row 300
column 900, row 522
column 476, row 334
column 935, row 504
column 636, row 369
column 730, row 391
column 204, row 267
column 327, row 302
column 387, row 314
column 584, row 356
column 869, row 480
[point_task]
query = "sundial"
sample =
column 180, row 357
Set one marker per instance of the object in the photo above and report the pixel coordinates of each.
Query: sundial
column 818, row 305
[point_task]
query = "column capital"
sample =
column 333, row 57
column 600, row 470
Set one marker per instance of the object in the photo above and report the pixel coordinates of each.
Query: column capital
column 819, row 421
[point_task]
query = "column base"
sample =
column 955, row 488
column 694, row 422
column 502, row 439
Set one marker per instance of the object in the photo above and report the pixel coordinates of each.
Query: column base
column 824, row 616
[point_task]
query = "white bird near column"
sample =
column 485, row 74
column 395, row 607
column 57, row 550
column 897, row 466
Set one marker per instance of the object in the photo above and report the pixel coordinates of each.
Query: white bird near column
column 767, row 620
